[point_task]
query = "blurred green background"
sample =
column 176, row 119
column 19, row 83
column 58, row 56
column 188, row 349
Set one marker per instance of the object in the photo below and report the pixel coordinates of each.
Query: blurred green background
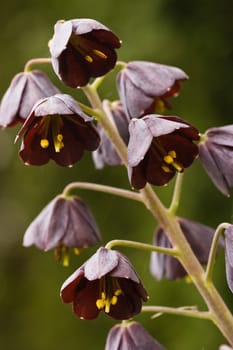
column 194, row 35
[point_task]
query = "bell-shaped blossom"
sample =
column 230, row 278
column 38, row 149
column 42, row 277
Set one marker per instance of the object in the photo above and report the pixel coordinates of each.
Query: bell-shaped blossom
column 106, row 152
column 107, row 281
column 145, row 86
column 66, row 222
column 81, row 49
column 131, row 336
column 158, row 148
column 25, row 89
column 216, row 156
column 225, row 347
column 199, row 237
column 57, row 129
column 229, row 256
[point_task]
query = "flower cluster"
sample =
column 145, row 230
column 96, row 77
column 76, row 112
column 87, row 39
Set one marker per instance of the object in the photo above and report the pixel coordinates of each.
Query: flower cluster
column 132, row 130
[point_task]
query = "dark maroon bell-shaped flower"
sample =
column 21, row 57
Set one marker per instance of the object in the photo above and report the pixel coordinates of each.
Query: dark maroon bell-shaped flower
column 229, row 256
column 66, row 222
column 106, row 152
column 131, row 336
column 199, row 237
column 57, row 129
column 216, row 156
column 25, row 90
column 145, row 86
column 158, row 148
column 108, row 282
column 81, row 49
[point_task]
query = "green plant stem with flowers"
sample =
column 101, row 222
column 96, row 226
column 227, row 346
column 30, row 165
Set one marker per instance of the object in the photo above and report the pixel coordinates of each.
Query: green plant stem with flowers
column 218, row 311
column 46, row 132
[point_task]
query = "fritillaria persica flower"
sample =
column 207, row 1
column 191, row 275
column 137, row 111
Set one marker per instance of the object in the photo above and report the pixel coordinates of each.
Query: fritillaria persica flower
column 199, row 237
column 25, row 90
column 81, row 49
column 106, row 152
column 216, row 156
column 108, row 282
column 158, row 148
column 229, row 256
column 57, row 129
column 66, row 222
column 131, row 336
column 145, row 86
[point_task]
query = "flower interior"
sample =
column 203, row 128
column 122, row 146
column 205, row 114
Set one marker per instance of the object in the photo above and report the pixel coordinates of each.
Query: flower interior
column 109, row 291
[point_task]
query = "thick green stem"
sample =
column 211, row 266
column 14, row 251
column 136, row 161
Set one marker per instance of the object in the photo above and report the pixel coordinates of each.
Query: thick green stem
column 106, row 123
column 221, row 315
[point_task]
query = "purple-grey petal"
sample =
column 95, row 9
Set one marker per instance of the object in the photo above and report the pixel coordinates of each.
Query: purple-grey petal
column 101, row 264
column 139, row 141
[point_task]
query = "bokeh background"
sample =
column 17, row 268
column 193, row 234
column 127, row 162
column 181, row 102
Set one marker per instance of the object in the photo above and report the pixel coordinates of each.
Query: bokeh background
column 194, row 35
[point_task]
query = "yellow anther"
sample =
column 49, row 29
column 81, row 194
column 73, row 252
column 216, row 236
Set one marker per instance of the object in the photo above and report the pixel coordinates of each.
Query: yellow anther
column 172, row 154
column 76, row 251
column 100, row 54
column 118, row 292
column 88, row 58
column 44, row 143
column 59, row 137
column 159, row 106
column 166, row 169
column 168, row 159
column 100, row 304
column 66, row 259
column 114, row 300
column 58, row 144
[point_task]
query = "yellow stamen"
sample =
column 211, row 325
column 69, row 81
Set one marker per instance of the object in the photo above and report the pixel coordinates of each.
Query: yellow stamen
column 44, row 143
column 166, row 169
column 100, row 54
column 100, row 304
column 114, row 300
column 109, row 293
column 58, row 144
column 66, row 259
column 88, row 58
column 76, row 251
column 159, row 105
column 172, row 153
column 168, row 159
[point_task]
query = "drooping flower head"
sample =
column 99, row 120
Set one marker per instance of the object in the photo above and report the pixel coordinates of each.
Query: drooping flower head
column 81, row 49
column 108, row 282
column 106, row 152
column 158, row 148
column 131, row 336
column 216, row 156
column 57, row 129
column 25, row 90
column 199, row 237
column 66, row 222
column 145, row 86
